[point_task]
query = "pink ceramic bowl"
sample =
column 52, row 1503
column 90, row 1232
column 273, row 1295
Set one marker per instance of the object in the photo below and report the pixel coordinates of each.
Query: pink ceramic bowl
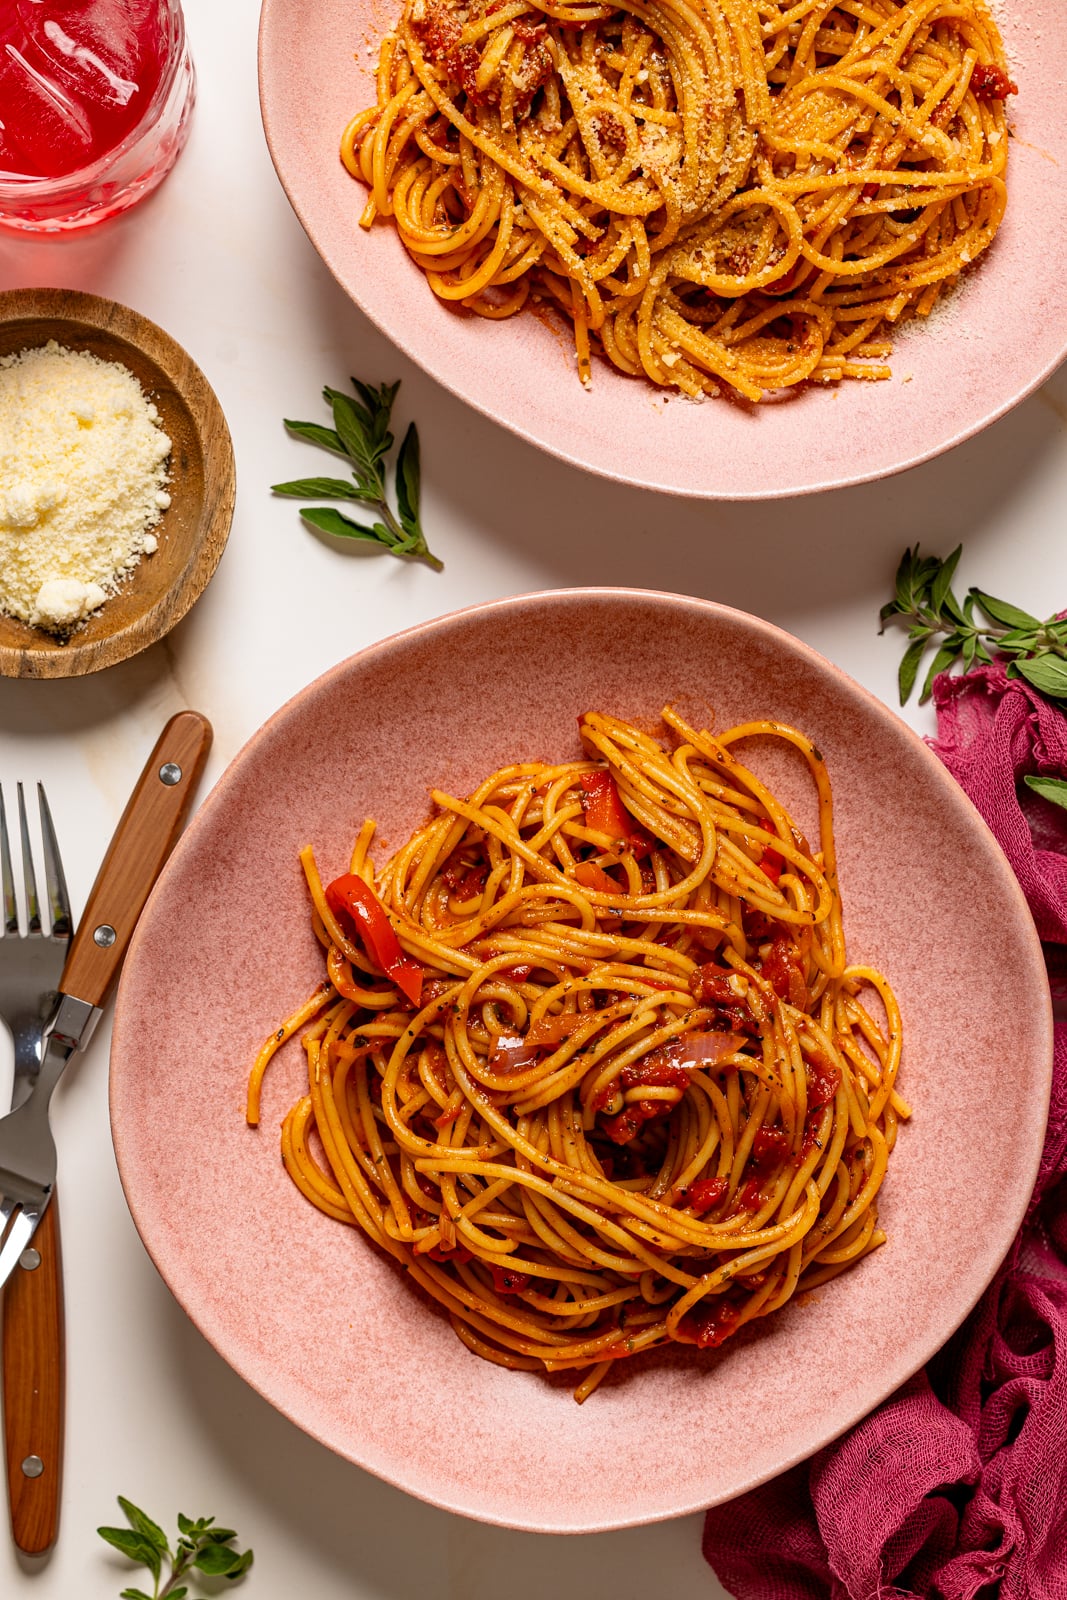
column 999, row 337
column 326, row 1328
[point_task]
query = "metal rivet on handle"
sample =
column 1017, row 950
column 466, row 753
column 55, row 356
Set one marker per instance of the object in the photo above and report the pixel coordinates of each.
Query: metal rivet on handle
column 104, row 936
column 30, row 1260
column 32, row 1467
column 170, row 773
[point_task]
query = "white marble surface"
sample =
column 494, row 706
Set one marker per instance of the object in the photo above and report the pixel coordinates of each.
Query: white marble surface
column 219, row 260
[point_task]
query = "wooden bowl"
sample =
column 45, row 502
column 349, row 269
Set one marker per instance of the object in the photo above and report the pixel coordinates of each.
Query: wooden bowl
column 193, row 530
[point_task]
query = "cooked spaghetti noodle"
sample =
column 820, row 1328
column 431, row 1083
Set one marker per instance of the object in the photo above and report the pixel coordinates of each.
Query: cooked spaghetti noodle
column 589, row 1060
column 719, row 194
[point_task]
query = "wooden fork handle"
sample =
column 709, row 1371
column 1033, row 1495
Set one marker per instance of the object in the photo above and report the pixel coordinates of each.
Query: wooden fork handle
column 34, row 1381
column 147, row 833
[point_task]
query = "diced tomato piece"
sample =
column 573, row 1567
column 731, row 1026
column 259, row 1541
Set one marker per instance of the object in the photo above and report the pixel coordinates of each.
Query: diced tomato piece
column 784, row 972
column 509, row 1280
column 628, row 1123
column 655, row 1070
column 706, row 1194
column 710, row 985
column 470, row 884
column 991, row 82
column 750, row 1195
column 711, row 1322
column 824, row 1079
column 783, row 284
column 770, row 1146
column 458, row 1253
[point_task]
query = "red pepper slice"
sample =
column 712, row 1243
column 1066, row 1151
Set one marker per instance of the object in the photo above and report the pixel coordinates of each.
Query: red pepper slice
column 605, row 812
column 354, row 902
column 771, row 862
column 590, row 876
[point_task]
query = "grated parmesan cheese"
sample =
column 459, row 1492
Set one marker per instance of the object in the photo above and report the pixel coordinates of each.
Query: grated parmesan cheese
column 83, row 463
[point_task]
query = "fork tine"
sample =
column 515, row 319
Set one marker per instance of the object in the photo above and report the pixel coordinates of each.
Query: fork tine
column 11, row 915
column 33, row 905
column 58, row 899
column 19, row 1233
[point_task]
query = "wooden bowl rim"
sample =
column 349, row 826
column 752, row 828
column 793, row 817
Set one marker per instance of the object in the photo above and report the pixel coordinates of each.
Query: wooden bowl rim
column 112, row 319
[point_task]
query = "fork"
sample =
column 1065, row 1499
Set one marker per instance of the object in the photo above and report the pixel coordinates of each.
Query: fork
column 33, row 1340
column 30, row 970
column 33, row 1321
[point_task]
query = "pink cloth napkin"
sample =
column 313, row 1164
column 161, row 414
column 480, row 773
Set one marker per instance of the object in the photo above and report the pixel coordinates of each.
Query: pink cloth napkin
column 956, row 1487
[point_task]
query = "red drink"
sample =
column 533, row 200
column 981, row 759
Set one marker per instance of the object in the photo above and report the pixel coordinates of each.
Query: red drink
column 93, row 102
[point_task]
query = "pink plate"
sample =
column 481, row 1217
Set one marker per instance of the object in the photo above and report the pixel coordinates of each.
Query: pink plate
column 999, row 337
column 329, row 1330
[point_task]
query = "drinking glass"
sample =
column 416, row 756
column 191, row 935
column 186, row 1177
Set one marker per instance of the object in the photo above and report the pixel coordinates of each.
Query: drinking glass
column 95, row 97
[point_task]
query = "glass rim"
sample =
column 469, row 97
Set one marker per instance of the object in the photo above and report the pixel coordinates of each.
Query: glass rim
column 27, row 187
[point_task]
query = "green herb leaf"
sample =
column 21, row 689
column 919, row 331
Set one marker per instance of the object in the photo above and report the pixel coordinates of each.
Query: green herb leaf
column 217, row 1560
column 1054, row 789
column 361, row 433
column 353, row 425
column 314, row 433
column 145, row 1526
column 909, row 668
column 944, row 658
column 134, row 1545
column 318, row 489
column 335, row 522
column 136, row 1594
column 942, row 583
column 1001, row 611
column 1047, row 673
column 177, row 1594
column 408, row 475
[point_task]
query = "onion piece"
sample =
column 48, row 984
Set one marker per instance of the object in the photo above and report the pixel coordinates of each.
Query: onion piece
column 704, row 1049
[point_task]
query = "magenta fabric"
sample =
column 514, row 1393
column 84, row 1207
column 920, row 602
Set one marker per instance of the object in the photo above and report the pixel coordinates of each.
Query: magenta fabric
column 956, row 1487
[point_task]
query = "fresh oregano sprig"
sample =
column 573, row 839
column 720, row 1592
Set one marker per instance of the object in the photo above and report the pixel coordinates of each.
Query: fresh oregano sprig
column 201, row 1547
column 926, row 604
column 360, row 434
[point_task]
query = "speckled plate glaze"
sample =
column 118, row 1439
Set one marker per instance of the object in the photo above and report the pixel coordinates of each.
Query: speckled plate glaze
column 327, row 1329
column 999, row 337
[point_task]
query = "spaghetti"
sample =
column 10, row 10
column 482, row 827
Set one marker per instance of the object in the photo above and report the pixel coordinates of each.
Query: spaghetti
column 722, row 195
column 589, row 1060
